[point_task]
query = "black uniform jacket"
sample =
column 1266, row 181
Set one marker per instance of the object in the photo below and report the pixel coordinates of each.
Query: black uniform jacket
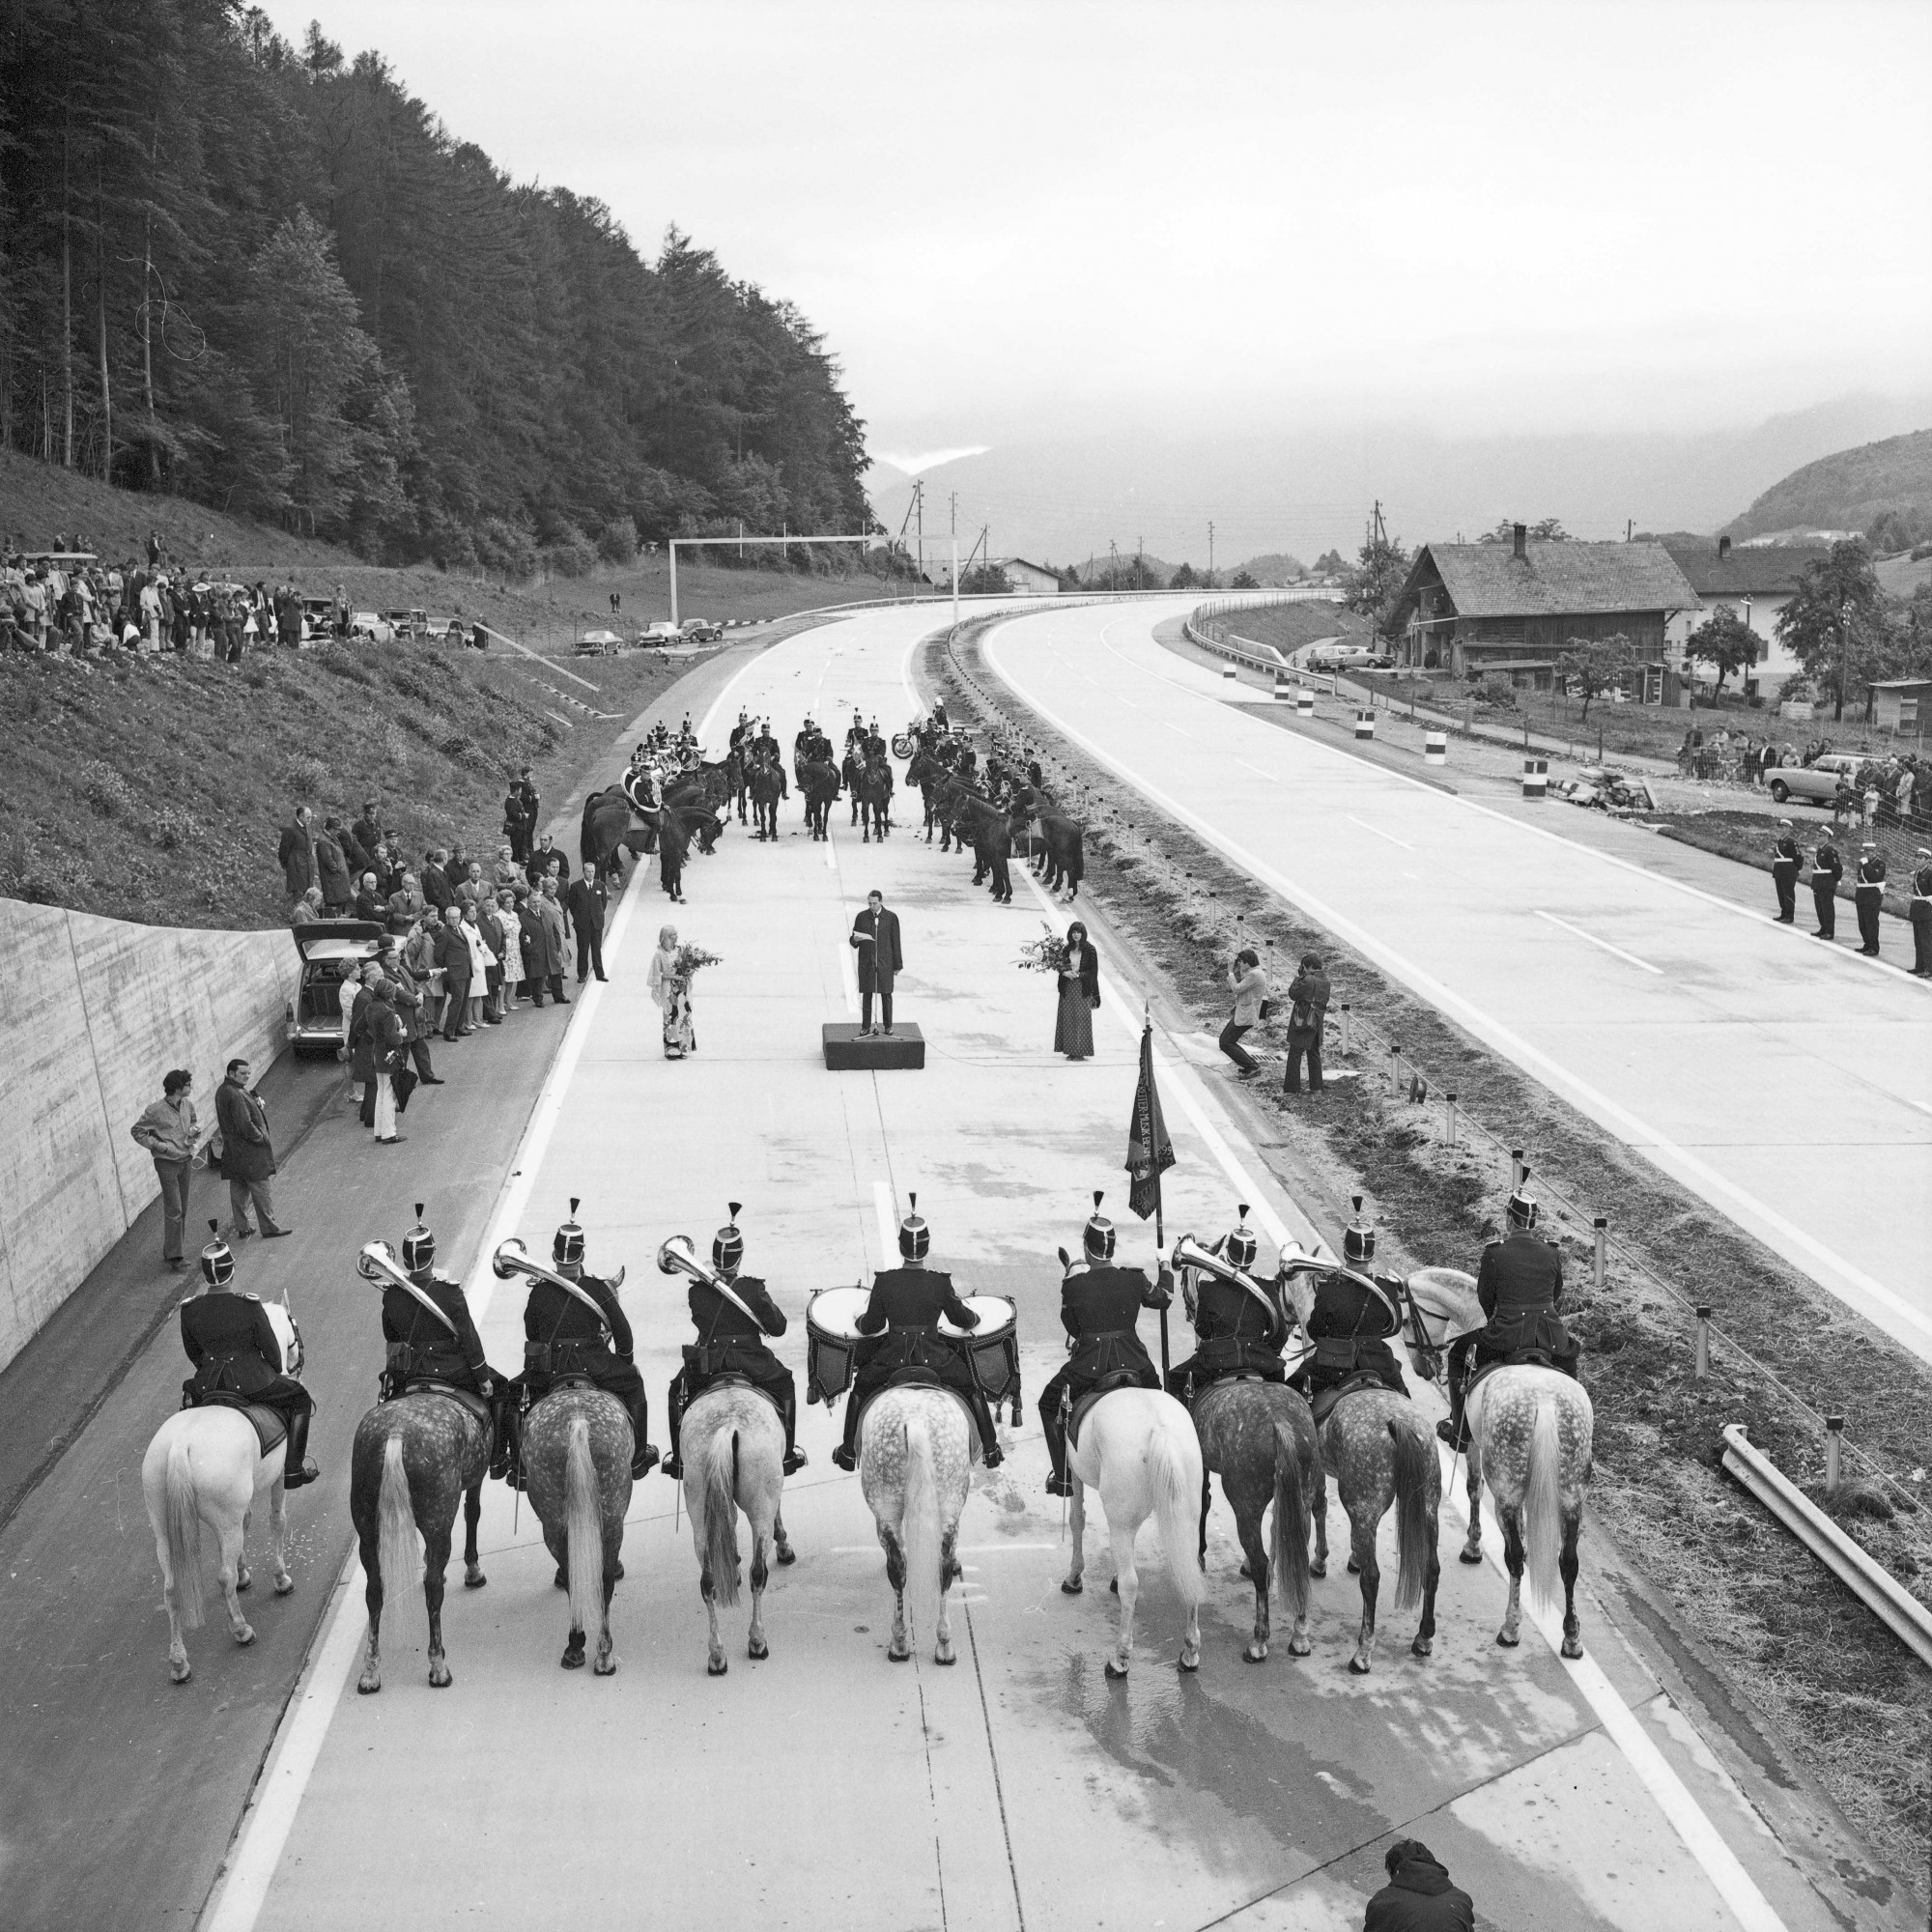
column 1224, row 1311
column 1828, row 868
column 1100, row 1308
column 1871, row 876
column 563, row 1337
column 1784, row 855
column 718, row 1320
column 232, row 1344
column 1520, row 1287
column 903, row 1314
column 1348, row 1326
column 432, row 1348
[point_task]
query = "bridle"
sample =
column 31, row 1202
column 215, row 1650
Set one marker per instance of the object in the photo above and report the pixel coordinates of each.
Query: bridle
column 1427, row 1351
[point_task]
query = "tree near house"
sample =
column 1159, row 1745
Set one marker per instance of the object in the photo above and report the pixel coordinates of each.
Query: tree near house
column 1382, row 568
column 1183, row 578
column 1547, row 530
column 1725, row 643
column 1837, row 624
column 1243, row 581
column 985, row 580
column 1598, row 665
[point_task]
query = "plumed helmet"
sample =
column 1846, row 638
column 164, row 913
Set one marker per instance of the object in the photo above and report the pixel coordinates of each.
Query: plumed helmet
column 727, row 1244
column 1521, row 1210
column 1358, row 1244
column 568, row 1245
column 1098, row 1239
column 915, row 1237
column 217, row 1259
column 418, row 1244
column 1243, row 1247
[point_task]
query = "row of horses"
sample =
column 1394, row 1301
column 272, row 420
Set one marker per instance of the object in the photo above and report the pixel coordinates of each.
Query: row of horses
column 1028, row 825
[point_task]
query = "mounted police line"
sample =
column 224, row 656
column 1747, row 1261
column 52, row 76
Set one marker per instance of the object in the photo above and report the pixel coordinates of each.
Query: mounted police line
column 924, row 1368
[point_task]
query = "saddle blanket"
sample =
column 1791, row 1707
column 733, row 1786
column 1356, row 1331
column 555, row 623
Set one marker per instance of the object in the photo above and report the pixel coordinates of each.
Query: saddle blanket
column 270, row 1428
column 465, row 1398
column 1119, row 1379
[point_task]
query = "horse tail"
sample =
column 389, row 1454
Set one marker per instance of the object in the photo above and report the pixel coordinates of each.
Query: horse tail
column 1413, row 1460
column 1291, row 1522
column 182, row 1520
column 720, row 1515
column 1177, row 1502
column 919, row 1526
column 586, row 836
column 583, row 1529
column 1543, row 1502
column 397, row 1551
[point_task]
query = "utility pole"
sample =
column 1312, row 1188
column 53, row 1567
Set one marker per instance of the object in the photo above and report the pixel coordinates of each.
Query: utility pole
column 1113, row 565
column 1140, row 563
column 1210, row 555
column 918, row 499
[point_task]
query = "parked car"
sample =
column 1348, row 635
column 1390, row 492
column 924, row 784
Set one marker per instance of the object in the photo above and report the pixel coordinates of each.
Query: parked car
column 407, row 623
column 701, row 630
column 318, row 617
column 373, row 626
column 666, row 633
column 1341, row 657
column 328, row 948
column 1815, row 783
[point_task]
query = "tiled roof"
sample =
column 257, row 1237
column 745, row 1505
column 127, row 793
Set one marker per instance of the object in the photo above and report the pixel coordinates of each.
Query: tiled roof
column 1554, row 580
column 1764, row 570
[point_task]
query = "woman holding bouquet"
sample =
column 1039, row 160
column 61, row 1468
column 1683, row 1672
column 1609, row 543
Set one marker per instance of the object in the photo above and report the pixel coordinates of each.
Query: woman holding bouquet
column 1079, row 980
column 670, row 987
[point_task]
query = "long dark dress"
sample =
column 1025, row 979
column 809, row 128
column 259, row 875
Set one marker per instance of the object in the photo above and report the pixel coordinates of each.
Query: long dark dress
column 1079, row 991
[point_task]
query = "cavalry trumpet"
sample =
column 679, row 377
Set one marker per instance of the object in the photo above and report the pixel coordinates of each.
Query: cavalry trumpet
column 378, row 1262
column 680, row 1255
column 513, row 1257
column 1189, row 1253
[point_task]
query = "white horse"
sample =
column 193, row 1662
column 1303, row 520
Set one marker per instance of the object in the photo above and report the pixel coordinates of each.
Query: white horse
column 206, row 1466
column 732, row 1448
column 1138, row 1447
column 916, row 1451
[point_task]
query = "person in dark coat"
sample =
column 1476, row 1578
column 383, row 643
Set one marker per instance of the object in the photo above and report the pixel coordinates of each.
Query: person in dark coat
column 549, row 909
column 295, row 854
column 1828, row 868
column 235, row 1351
column 1239, row 1330
column 431, row 1336
column 1079, row 996
column 731, row 1342
column 517, row 823
column 331, row 870
column 247, row 1154
column 1418, row 1897
column 437, row 890
column 1868, row 897
column 375, row 1038
column 405, row 996
column 1100, row 1308
column 1785, row 859
column 548, row 854
column 1351, row 1320
column 565, row 1335
column 875, row 938
column 1920, row 913
column 534, row 948
column 453, row 955
column 904, row 1316
column 1519, row 1284
column 1307, row 1017
column 588, row 899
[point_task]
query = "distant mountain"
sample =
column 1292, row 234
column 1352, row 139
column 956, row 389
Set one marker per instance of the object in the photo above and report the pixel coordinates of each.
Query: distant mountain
column 1849, row 490
column 1272, row 571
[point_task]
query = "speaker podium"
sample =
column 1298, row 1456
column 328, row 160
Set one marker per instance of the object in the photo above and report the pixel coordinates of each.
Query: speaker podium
column 846, row 1051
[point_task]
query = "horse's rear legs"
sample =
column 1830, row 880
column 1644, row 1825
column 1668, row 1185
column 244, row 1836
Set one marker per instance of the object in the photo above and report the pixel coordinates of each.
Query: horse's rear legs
column 178, row 1668
column 278, row 1540
column 1255, row 1550
column 1362, row 1557
column 783, row 1543
column 1077, row 1523
column 1511, row 1633
column 1317, row 1564
column 1128, row 1581
column 950, row 1572
column 1566, row 1563
column 233, row 1575
column 436, row 1562
column 371, row 1680
column 473, row 1578
column 755, row 1645
column 1473, row 1544
column 605, row 1662
column 898, row 1649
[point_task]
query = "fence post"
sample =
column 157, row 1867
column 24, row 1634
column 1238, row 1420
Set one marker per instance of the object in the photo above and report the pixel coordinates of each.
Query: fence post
column 1344, row 1026
column 1515, row 1168
column 1395, row 1070
column 1834, row 1437
column 1701, row 1367
column 1601, row 1228
column 1452, row 1120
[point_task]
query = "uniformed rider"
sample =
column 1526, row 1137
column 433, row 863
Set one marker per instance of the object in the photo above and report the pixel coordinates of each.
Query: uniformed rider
column 432, row 1338
column 1238, row 1330
column 904, row 1316
column 235, row 1351
column 579, row 1329
column 1351, row 1320
column 1100, row 1308
column 1520, row 1287
column 731, row 1342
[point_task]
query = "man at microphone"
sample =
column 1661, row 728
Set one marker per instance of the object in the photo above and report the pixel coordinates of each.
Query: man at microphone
column 875, row 938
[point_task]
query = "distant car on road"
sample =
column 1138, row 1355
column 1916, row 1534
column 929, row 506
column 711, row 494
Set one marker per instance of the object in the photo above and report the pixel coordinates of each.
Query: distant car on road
column 372, row 625
column 701, row 630
column 1815, row 783
column 407, row 623
column 1335, row 657
column 666, row 633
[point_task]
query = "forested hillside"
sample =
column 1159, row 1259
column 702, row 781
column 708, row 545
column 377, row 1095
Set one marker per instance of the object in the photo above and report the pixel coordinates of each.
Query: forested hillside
column 1884, row 489
column 271, row 280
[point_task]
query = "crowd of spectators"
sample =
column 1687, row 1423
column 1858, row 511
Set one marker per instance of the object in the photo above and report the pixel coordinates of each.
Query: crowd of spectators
column 1878, row 792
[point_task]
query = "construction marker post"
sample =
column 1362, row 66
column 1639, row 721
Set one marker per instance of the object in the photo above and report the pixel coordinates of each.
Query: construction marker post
column 1305, row 701
column 1600, row 1230
column 1229, row 670
column 1535, row 778
column 1365, row 725
column 1436, row 748
column 1515, row 1168
column 1344, row 1026
column 1284, row 692
column 1835, row 1442
column 1450, row 1101
column 1701, row 1367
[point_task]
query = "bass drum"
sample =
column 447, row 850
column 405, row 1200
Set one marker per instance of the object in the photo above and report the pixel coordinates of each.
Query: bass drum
column 832, row 1339
column 993, row 1348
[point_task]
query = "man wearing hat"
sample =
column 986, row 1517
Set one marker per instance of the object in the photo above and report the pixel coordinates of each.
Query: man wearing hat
column 903, row 1315
column 1100, row 1308
column 1351, row 1320
column 1827, row 870
column 1868, row 895
column 1240, row 1329
column 733, row 1320
column 1418, row 1897
column 235, row 1351
column 1921, row 915
column 1519, row 1285
column 577, row 1328
column 1785, row 861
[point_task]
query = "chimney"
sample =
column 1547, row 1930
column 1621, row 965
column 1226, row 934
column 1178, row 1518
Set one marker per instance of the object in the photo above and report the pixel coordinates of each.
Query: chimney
column 1723, row 549
column 1520, row 531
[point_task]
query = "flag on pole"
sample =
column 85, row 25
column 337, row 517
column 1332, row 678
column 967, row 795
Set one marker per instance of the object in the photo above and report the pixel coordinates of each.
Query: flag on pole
column 1150, row 1152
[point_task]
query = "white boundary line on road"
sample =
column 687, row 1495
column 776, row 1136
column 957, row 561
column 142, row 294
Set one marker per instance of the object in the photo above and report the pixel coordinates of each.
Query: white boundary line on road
column 1637, row 1132
column 1615, row 951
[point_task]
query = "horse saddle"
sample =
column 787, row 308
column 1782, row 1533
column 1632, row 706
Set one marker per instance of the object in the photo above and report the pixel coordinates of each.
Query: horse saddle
column 916, row 1377
column 464, row 1398
column 1117, row 1379
column 1324, row 1400
column 730, row 1378
column 270, row 1428
column 1516, row 1358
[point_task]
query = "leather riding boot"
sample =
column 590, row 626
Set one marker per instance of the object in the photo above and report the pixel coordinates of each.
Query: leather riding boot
column 672, row 1464
column 643, row 1453
column 1057, row 1484
column 795, row 1457
column 500, row 1411
column 990, row 1452
column 1450, row 1429
column 843, row 1454
column 297, row 1468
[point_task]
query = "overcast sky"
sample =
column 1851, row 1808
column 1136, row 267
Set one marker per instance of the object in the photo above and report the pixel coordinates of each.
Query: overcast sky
column 1014, row 220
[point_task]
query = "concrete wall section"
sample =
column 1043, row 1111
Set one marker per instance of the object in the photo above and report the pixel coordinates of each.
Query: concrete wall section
column 93, row 1012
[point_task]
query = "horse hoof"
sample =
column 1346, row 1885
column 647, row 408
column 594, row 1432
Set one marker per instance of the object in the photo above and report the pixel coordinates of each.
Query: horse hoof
column 758, row 1652
column 1354, row 1568
column 1299, row 1646
column 245, row 1582
column 283, row 1586
column 1072, row 1587
column 1318, row 1569
column 1186, row 1663
column 369, row 1683
column 1115, row 1669
column 440, row 1678
column 244, row 1636
column 1468, row 1556
column 1256, row 1653
column 787, row 1553
column 1507, row 1641
column 1358, row 1666
column 716, row 1666
column 1423, row 1646
column 180, row 1673
column 899, row 1657
column 606, row 1665
column 945, row 1657
column 573, row 1660
column 1572, row 1647
column 473, row 1580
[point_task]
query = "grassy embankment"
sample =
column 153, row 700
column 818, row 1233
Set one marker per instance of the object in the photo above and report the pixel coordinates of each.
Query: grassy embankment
column 1794, row 1654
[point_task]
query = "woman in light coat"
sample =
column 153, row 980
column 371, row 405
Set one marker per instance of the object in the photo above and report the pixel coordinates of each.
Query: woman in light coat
column 671, row 990
column 481, row 960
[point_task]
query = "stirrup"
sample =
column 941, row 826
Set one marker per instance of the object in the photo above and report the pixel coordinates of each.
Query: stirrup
column 1059, row 1486
column 844, row 1458
column 1450, row 1431
column 670, row 1466
column 295, row 1479
column 992, row 1457
column 795, row 1459
column 644, row 1459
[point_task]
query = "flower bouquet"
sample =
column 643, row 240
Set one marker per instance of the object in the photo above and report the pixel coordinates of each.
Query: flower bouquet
column 689, row 958
column 1043, row 955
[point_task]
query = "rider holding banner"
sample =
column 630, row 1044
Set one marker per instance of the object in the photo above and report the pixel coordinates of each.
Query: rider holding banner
column 1242, row 1325
column 1100, row 1308
column 734, row 1313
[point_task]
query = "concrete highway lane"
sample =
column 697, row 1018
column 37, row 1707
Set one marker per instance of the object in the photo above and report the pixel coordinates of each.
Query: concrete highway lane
column 1785, row 1081
column 824, row 1786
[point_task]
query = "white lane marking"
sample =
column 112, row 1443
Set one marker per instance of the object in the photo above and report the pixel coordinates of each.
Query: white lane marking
column 1630, row 959
column 1257, row 770
column 1379, row 832
column 1924, row 1106
column 888, row 1224
column 1719, row 1864
column 1637, row 1131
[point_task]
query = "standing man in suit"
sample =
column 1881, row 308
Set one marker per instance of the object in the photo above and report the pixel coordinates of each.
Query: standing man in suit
column 875, row 938
column 247, row 1154
column 1868, row 897
column 1921, row 915
column 588, row 901
column 1827, row 870
column 1784, row 864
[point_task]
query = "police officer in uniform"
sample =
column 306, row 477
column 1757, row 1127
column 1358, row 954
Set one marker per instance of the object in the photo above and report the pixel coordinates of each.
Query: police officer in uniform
column 431, row 1337
column 1827, row 870
column 236, row 1351
column 565, row 1335
column 903, row 1314
column 1520, row 1287
column 1921, row 915
column 1100, row 1306
column 1868, row 897
column 1785, row 861
column 1235, row 1332
column 731, row 1342
column 1351, row 1320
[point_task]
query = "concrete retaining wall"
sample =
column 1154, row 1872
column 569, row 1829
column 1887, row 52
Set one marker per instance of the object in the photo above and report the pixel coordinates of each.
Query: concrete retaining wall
column 93, row 1012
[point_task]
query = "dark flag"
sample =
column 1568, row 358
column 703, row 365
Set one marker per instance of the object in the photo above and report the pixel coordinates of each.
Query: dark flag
column 1150, row 1152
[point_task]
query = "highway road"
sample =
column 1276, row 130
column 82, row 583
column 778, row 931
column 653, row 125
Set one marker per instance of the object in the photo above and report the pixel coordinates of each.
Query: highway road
column 1787, row 1082
column 823, row 1786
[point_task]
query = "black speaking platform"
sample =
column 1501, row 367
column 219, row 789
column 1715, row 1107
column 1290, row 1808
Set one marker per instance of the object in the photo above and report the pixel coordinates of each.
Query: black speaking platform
column 845, row 1052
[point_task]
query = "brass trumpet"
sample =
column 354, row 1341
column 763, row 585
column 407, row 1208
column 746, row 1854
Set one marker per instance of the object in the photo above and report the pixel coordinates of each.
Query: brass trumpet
column 1189, row 1253
column 378, row 1262
column 680, row 1255
column 513, row 1257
